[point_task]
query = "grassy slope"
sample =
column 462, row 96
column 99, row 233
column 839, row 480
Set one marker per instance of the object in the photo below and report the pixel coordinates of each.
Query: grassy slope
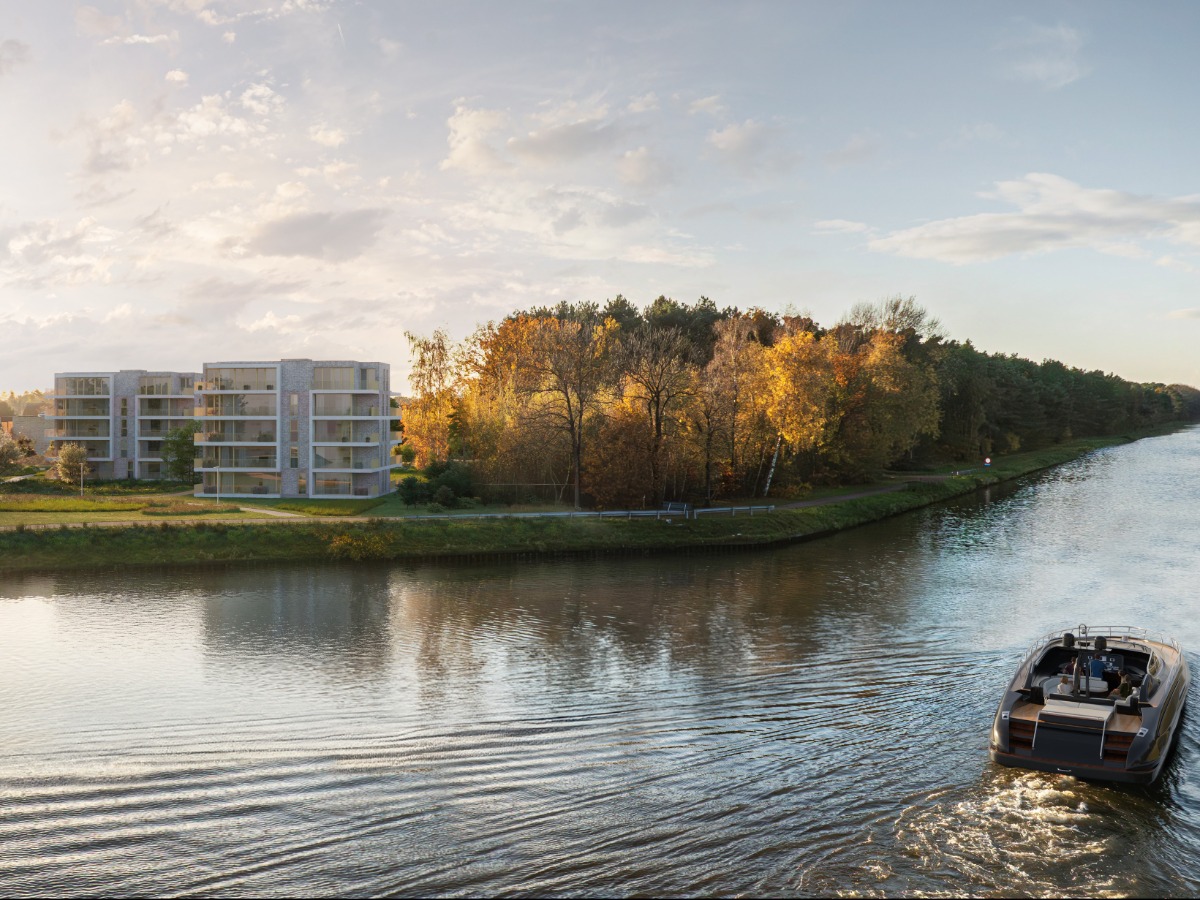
column 396, row 538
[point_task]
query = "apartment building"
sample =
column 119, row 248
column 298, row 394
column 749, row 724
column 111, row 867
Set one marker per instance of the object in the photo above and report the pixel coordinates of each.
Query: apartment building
column 120, row 417
column 295, row 428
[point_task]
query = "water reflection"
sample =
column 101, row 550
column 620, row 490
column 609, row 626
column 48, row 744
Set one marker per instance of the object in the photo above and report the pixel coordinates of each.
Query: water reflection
column 812, row 720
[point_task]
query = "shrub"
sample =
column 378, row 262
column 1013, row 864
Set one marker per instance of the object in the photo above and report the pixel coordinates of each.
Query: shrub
column 444, row 496
column 413, row 490
column 358, row 547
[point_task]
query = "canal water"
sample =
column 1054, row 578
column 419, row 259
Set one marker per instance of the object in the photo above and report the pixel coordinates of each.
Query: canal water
column 807, row 720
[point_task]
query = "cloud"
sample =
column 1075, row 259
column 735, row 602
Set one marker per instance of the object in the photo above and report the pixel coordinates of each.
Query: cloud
column 92, row 21
column 840, row 226
column 134, row 39
column 470, row 148
column 324, row 235
column 645, row 103
column 1052, row 213
column 751, row 147
column 1193, row 313
column 177, row 76
column 1045, row 55
column 12, row 54
column 711, row 106
column 565, row 143
column 45, row 253
column 327, row 137
column 261, row 99
column 641, row 169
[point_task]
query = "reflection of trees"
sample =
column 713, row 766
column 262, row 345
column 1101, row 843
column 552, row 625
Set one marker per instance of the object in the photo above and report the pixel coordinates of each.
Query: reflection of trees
column 331, row 617
column 621, row 624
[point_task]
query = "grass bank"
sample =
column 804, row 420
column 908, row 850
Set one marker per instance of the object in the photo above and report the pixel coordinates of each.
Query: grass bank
column 450, row 539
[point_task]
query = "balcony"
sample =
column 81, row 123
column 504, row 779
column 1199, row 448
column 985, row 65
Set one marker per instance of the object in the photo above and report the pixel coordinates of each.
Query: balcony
column 238, row 406
column 236, row 437
column 331, row 458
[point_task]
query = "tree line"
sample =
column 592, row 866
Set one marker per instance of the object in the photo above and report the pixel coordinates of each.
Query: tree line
column 619, row 406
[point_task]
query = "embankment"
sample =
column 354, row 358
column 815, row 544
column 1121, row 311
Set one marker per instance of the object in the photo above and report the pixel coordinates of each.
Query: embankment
column 483, row 539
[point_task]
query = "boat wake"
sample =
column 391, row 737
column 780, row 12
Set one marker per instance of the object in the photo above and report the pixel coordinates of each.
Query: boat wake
column 1018, row 832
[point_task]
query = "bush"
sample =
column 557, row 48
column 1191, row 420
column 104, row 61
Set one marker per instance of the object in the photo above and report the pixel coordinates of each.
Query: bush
column 413, row 490
column 359, row 547
column 444, row 496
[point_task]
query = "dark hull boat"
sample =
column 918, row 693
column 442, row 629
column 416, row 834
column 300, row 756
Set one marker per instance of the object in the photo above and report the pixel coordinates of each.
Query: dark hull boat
column 1097, row 704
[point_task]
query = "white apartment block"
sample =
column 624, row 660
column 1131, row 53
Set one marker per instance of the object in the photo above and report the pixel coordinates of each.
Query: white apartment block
column 295, row 428
column 120, row 417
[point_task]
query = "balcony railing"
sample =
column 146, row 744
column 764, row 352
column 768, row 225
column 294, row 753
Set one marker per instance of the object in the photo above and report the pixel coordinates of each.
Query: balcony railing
column 225, row 437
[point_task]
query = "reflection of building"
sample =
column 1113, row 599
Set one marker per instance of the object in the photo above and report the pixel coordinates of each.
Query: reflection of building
column 295, row 428
column 333, row 618
column 120, row 417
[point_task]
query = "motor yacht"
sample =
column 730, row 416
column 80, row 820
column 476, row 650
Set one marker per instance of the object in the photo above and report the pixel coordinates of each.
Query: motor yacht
column 1097, row 703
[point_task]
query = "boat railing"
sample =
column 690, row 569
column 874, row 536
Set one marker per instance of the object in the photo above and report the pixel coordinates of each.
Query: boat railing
column 1088, row 632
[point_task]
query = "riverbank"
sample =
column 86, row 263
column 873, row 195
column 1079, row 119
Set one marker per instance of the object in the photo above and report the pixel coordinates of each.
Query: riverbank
column 162, row 544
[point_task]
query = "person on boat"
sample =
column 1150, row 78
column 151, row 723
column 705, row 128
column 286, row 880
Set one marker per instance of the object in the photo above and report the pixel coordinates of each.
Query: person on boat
column 1122, row 690
column 1063, row 686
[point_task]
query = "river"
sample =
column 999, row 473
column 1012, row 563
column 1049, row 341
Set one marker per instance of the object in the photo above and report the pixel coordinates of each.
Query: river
column 807, row 720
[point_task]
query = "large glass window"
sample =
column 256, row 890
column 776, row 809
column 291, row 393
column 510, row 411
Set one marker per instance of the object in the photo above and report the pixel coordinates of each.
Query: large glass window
column 333, row 378
column 85, row 386
column 154, row 384
column 241, row 379
column 332, row 483
column 239, row 405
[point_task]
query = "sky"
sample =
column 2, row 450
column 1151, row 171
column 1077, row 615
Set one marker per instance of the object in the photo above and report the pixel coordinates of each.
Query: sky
column 188, row 181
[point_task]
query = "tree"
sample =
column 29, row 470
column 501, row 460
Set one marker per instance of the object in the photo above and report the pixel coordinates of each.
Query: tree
column 72, row 463
column 433, row 378
column 567, row 367
column 656, row 364
column 179, row 452
column 10, row 454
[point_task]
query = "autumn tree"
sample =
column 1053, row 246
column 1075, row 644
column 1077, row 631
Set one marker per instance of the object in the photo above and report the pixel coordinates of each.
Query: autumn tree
column 433, row 377
column 656, row 364
column 566, row 369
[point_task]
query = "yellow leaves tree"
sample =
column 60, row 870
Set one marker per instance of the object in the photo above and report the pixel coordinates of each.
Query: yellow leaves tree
column 566, row 370
column 433, row 378
column 799, row 376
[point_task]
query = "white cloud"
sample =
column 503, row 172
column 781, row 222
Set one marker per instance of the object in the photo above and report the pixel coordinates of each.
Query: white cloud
column 1193, row 313
column 92, row 21
column 708, row 105
column 645, row 103
column 327, row 137
column 470, row 147
column 1052, row 213
column 642, row 169
column 1045, row 55
column 229, row 37
column 46, row 253
column 752, row 147
column 134, row 39
column 320, row 235
column 565, row 143
column 841, row 226
column 261, row 99
column 177, row 76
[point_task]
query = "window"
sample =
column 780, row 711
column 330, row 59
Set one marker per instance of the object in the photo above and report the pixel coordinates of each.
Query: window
column 333, row 378
column 294, row 403
column 295, row 457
